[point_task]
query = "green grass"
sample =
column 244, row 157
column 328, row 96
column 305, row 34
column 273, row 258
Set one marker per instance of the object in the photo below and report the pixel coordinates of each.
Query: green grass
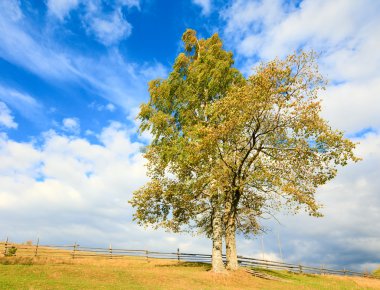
column 134, row 273
column 376, row 273
column 310, row 281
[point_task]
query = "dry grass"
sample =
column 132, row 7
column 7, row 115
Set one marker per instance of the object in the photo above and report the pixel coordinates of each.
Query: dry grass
column 134, row 273
column 361, row 282
column 126, row 273
column 51, row 272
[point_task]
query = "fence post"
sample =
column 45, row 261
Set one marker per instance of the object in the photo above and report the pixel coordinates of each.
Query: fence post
column 344, row 271
column 147, row 255
column 74, row 249
column 178, row 257
column 36, row 251
column 110, row 251
column 300, row 268
column 6, row 247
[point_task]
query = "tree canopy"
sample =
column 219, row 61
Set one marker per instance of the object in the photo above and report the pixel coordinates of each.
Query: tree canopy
column 227, row 148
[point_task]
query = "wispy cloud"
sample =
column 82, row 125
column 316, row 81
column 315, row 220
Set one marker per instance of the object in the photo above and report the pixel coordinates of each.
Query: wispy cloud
column 109, row 27
column 29, row 51
column 205, row 5
column 11, row 10
column 100, row 107
column 25, row 104
column 110, row 76
column 61, row 8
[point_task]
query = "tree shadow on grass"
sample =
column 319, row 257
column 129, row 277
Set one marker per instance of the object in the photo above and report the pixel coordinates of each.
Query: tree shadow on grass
column 188, row 264
column 283, row 274
column 16, row 261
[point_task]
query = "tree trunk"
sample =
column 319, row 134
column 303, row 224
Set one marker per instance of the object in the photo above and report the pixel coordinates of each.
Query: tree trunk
column 230, row 230
column 231, row 254
column 217, row 235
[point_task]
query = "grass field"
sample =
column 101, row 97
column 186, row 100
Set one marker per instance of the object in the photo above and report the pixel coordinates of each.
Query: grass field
column 376, row 273
column 137, row 273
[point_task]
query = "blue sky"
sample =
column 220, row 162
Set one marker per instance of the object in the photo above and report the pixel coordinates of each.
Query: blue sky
column 74, row 72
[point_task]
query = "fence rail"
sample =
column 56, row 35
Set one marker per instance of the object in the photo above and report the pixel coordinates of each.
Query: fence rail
column 76, row 252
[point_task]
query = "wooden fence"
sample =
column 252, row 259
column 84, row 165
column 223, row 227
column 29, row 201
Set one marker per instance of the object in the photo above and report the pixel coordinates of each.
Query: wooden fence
column 76, row 251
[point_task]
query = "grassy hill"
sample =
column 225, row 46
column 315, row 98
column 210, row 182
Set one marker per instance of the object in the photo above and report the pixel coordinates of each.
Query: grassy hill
column 137, row 273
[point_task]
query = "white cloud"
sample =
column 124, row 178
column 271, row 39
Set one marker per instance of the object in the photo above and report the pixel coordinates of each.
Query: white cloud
column 346, row 235
column 19, row 159
column 275, row 29
column 344, row 32
column 251, row 17
column 71, row 125
column 6, row 118
column 205, row 5
column 61, row 8
column 67, row 189
column 108, row 29
column 353, row 106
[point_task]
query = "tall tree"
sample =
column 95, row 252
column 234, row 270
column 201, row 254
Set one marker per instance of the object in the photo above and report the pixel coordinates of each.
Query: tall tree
column 225, row 148
column 276, row 148
column 184, row 170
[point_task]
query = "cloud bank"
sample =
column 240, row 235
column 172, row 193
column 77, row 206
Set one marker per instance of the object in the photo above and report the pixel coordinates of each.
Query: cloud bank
column 67, row 189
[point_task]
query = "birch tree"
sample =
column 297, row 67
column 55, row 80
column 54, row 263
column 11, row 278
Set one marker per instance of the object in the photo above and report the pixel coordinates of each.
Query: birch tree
column 184, row 190
column 227, row 149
